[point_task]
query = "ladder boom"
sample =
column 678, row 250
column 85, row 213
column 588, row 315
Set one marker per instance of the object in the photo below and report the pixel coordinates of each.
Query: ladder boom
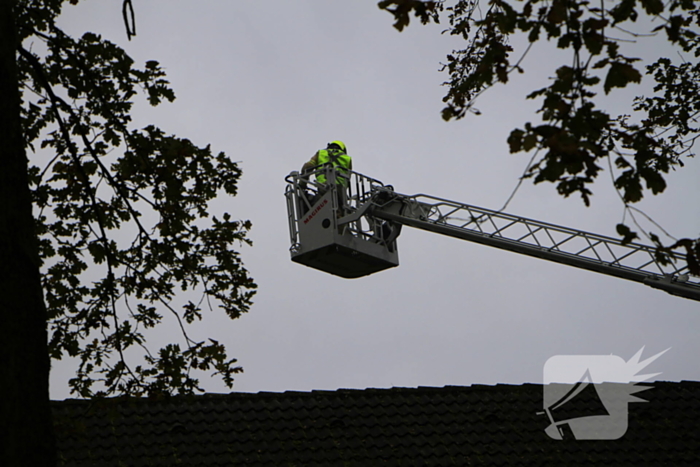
column 598, row 253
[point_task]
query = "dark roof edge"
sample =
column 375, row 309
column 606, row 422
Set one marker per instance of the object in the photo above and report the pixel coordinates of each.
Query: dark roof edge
column 347, row 391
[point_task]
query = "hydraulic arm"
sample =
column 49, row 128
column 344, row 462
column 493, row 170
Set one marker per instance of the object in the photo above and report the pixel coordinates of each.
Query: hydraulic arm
column 370, row 212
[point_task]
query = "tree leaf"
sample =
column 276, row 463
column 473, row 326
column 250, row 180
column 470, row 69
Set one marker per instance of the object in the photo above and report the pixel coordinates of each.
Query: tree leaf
column 515, row 140
column 653, row 7
column 619, row 75
column 626, row 234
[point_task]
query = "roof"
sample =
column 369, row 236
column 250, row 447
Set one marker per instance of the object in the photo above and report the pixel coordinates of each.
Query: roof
column 474, row 425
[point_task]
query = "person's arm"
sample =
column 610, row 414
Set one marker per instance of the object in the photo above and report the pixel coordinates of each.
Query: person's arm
column 313, row 162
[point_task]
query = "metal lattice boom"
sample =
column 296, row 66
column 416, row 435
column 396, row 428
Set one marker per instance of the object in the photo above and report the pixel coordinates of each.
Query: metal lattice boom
column 632, row 261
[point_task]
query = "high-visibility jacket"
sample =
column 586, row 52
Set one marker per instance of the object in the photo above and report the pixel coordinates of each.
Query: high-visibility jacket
column 340, row 161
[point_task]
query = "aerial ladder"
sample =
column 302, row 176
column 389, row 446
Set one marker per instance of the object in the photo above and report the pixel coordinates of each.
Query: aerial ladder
column 349, row 227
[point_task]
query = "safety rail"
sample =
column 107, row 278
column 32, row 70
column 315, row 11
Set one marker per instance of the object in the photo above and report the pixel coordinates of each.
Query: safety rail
column 303, row 189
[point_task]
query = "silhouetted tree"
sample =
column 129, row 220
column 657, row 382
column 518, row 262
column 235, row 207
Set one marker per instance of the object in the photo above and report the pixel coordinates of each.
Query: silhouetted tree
column 101, row 226
column 577, row 137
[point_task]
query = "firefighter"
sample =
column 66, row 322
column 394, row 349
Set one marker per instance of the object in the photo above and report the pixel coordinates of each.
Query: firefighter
column 335, row 153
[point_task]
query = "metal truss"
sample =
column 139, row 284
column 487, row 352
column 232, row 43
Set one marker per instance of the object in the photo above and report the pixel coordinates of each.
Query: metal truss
column 632, row 261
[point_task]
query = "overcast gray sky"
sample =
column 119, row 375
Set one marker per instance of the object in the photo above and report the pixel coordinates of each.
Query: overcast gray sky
column 269, row 83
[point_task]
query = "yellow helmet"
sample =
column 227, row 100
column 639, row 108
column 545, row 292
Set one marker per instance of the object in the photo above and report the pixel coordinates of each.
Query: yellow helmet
column 338, row 145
